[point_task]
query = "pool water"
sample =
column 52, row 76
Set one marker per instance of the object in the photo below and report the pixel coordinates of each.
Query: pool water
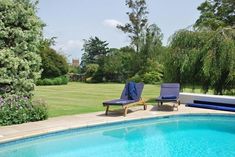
column 175, row 136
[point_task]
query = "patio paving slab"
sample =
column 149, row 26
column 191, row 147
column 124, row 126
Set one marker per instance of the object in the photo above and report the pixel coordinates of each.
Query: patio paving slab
column 9, row 133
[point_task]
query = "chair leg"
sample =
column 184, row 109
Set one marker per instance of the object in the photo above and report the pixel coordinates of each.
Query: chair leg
column 178, row 101
column 107, row 110
column 145, row 106
column 125, row 111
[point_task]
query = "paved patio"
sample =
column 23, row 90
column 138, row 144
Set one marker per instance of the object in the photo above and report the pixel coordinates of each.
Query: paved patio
column 9, row 133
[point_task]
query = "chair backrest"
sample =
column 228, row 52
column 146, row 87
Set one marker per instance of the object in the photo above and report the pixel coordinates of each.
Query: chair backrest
column 139, row 88
column 170, row 89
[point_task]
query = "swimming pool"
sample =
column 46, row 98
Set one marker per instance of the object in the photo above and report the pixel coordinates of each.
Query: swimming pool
column 177, row 136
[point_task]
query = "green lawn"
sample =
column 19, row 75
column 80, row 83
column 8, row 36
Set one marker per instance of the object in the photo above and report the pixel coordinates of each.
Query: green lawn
column 77, row 98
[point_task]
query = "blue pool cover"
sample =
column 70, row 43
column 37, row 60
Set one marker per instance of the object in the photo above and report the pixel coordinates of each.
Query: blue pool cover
column 213, row 106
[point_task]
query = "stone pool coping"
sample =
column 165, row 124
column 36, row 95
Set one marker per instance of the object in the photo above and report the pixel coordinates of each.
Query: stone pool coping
column 15, row 132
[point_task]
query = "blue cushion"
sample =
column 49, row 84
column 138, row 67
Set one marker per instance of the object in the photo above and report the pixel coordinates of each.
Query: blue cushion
column 169, row 97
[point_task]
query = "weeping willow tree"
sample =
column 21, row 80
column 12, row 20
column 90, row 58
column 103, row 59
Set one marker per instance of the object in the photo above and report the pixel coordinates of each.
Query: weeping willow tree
column 219, row 60
column 183, row 59
column 204, row 58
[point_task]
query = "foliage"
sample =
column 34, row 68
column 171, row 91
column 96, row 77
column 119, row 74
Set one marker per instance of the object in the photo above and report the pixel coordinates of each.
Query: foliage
column 138, row 21
column 74, row 69
column 120, row 65
column 219, row 60
column 151, row 49
column 91, row 69
column 94, row 51
column 20, row 36
column 204, row 57
column 216, row 14
column 17, row 109
column 153, row 76
column 183, row 58
column 61, row 80
column 53, row 63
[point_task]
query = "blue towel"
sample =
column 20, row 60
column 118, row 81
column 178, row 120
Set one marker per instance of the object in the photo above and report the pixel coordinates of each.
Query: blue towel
column 131, row 91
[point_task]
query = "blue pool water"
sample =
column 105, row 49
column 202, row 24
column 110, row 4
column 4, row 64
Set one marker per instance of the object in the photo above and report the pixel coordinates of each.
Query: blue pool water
column 176, row 136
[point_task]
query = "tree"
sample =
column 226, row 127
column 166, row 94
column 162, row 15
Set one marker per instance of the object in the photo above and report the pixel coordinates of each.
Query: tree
column 219, row 60
column 119, row 65
column 138, row 21
column 20, row 36
column 216, row 14
column 183, row 60
column 94, row 50
column 151, row 48
column 53, row 63
column 206, row 58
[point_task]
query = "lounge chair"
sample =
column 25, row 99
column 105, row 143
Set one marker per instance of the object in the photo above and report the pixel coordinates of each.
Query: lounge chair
column 169, row 93
column 125, row 101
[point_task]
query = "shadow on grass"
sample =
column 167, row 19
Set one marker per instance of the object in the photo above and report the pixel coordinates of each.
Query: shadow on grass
column 151, row 101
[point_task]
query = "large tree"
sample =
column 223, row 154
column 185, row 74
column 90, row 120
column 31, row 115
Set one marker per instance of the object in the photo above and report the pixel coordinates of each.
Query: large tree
column 216, row 14
column 20, row 36
column 206, row 58
column 138, row 21
column 94, row 51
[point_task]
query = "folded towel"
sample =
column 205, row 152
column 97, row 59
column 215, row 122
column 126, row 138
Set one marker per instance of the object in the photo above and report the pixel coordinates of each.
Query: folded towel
column 131, row 91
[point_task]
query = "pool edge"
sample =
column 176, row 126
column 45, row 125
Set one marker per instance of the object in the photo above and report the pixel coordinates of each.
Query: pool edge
column 44, row 134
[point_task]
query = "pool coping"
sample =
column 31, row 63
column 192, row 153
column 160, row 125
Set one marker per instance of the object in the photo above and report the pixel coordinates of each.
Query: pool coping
column 105, row 121
column 59, row 132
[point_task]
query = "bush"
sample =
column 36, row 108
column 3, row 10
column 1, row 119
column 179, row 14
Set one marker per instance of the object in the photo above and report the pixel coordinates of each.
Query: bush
column 16, row 110
column 136, row 78
column 152, row 77
column 149, row 77
column 20, row 37
column 53, row 63
column 62, row 80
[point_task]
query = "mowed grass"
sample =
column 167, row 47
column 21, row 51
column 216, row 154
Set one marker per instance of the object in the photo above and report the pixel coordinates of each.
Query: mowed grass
column 77, row 98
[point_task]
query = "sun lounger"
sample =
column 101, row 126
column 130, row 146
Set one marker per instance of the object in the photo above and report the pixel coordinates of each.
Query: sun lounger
column 131, row 96
column 169, row 93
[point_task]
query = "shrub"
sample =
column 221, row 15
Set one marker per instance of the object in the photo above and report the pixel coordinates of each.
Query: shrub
column 152, row 77
column 20, row 36
column 17, row 109
column 149, row 77
column 136, row 78
column 62, row 80
column 53, row 63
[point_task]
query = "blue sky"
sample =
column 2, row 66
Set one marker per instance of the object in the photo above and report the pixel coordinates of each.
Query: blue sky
column 71, row 21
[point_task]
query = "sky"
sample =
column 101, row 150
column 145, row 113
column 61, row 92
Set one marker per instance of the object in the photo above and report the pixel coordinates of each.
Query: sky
column 72, row 21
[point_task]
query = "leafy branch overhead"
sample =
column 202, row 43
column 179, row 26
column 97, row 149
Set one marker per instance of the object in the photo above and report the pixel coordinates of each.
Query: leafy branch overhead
column 138, row 21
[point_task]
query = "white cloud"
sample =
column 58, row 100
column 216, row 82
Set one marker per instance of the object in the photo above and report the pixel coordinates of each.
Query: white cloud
column 70, row 45
column 111, row 23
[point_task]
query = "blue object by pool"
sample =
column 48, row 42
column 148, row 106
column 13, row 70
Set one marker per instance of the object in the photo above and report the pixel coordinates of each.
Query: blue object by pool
column 175, row 136
column 212, row 105
column 169, row 97
column 131, row 91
